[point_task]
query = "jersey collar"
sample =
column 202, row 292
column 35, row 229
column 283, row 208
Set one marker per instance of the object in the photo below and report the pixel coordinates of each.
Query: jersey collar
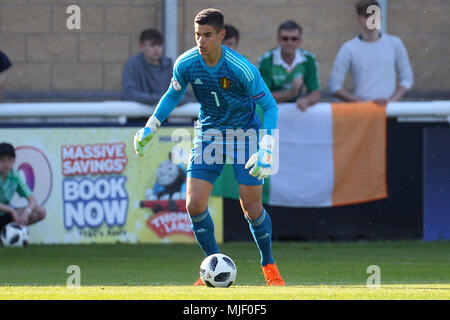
column 217, row 66
column 277, row 60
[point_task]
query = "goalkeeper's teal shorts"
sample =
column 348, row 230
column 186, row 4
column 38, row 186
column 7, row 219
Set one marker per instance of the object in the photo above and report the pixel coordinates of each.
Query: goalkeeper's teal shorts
column 211, row 174
column 206, row 163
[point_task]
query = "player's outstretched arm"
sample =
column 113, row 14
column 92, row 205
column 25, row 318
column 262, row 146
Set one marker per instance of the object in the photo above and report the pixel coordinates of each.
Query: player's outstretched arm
column 165, row 106
column 261, row 161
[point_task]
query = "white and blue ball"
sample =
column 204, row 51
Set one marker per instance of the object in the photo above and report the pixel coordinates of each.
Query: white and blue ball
column 14, row 235
column 218, row 270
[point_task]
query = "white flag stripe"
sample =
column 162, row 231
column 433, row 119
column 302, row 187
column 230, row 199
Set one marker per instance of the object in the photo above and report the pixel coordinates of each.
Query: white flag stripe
column 306, row 169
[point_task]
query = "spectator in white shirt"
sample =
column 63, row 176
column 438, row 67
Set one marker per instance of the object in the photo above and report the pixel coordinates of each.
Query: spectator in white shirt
column 374, row 60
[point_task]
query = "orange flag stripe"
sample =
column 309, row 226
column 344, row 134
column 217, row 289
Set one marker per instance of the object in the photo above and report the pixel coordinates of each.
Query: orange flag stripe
column 359, row 152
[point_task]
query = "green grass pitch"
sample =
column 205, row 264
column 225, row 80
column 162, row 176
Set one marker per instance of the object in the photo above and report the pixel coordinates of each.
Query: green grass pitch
column 408, row 270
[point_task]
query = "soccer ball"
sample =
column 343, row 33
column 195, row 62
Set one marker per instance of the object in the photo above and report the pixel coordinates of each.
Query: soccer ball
column 218, row 270
column 13, row 235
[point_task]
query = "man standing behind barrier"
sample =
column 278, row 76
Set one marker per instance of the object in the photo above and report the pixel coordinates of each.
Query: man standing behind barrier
column 287, row 68
column 374, row 60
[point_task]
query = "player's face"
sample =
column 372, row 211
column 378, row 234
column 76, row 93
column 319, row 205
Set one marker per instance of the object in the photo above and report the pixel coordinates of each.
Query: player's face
column 289, row 40
column 207, row 38
column 231, row 43
column 6, row 163
column 152, row 51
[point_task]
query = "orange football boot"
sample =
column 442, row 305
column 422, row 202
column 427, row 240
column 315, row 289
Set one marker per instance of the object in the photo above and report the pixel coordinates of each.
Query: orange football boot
column 272, row 275
column 199, row 282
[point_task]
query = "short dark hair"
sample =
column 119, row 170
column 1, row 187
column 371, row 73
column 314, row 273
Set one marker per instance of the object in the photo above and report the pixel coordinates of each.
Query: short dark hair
column 151, row 35
column 289, row 25
column 6, row 149
column 231, row 32
column 212, row 17
column 362, row 5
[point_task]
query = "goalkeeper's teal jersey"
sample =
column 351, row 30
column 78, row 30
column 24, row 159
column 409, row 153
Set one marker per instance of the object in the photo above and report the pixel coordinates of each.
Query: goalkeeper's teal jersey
column 227, row 93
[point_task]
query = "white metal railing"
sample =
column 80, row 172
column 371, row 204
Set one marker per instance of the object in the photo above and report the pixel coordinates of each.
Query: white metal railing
column 121, row 110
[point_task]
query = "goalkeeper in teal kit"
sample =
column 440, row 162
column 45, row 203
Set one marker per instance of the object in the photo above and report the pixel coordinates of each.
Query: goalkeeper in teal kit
column 228, row 87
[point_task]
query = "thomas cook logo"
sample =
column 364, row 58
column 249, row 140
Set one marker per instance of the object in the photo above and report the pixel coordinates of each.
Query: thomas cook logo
column 225, row 83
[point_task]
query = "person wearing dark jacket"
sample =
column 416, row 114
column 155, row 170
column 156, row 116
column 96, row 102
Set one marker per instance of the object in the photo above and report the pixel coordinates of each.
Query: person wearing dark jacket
column 146, row 75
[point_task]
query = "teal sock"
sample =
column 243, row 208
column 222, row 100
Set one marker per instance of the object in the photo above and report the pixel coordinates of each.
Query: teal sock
column 203, row 227
column 261, row 230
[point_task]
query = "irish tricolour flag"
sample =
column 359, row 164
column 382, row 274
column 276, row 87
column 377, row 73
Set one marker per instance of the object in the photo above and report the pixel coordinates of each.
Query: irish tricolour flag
column 330, row 155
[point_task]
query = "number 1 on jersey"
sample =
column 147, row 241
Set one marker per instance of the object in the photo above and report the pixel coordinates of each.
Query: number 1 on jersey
column 215, row 97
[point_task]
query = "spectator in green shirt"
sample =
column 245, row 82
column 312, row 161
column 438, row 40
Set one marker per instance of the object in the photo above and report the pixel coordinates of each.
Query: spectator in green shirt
column 287, row 69
column 10, row 183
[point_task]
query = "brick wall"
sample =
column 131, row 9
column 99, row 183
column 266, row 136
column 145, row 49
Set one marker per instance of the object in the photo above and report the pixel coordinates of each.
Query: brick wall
column 49, row 57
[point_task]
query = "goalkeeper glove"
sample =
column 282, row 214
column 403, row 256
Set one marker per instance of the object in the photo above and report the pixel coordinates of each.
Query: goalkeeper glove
column 261, row 161
column 144, row 135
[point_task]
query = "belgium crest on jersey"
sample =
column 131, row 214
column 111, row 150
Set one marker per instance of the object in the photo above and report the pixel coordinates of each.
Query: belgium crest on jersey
column 225, row 83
